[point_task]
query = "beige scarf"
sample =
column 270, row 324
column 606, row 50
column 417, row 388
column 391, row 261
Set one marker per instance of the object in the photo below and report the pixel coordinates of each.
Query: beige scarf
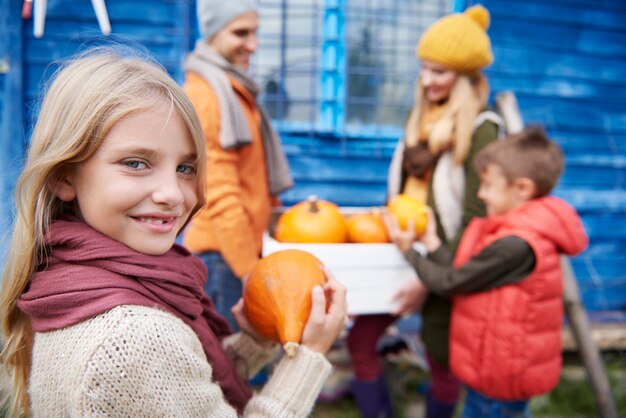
column 235, row 131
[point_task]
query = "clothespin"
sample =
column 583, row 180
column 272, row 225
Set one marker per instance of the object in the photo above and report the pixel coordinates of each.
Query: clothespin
column 27, row 9
column 103, row 17
column 40, row 16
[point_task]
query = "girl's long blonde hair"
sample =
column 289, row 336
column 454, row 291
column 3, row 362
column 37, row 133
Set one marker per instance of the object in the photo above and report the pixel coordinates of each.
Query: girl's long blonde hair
column 455, row 127
column 89, row 94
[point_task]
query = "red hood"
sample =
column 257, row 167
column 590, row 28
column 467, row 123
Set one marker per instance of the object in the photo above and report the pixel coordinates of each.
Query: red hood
column 553, row 218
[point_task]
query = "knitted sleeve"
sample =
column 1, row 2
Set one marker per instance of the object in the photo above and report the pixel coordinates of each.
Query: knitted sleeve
column 152, row 364
column 249, row 356
column 293, row 388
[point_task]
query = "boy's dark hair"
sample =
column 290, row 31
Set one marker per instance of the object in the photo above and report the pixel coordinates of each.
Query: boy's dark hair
column 529, row 154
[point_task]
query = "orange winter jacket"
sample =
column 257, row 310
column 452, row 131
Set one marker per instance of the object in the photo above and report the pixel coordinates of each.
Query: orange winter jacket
column 239, row 203
column 506, row 343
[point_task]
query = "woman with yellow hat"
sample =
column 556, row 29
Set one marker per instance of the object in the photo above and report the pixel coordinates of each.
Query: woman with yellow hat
column 449, row 123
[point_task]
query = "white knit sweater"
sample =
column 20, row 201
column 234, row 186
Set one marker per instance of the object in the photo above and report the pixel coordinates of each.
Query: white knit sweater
column 134, row 361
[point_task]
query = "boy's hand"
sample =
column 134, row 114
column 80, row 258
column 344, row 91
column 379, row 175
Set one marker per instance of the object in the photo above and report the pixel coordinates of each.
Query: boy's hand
column 402, row 239
column 409, row 297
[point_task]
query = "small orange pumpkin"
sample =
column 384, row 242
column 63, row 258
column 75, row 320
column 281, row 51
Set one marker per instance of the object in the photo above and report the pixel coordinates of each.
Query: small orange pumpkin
column 277, row 295
column 312, row 221
column 407, row 208
column 367, row 228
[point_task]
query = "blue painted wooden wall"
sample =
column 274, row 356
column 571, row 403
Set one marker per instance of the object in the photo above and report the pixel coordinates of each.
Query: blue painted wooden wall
column 12, row 138
column 566, row 62
column 564, row 59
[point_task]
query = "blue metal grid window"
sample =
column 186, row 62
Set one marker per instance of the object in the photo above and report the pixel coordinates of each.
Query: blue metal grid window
column 340, row 67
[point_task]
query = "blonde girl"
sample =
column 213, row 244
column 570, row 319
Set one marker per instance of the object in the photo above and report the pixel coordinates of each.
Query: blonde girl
column 102, row 313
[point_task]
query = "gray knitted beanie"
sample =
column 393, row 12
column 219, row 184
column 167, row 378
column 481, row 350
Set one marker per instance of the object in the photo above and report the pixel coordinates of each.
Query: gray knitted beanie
column 213, row 15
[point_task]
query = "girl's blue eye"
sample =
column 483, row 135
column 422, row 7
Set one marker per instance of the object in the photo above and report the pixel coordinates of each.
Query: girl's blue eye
column 135, row 164
column 186, row 169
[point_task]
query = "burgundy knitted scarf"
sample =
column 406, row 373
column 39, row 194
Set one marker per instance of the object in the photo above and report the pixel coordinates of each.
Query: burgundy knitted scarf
column 87, row 273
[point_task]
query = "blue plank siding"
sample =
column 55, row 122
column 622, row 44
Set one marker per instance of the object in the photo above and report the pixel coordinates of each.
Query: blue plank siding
column 349, row 172
column 574, row 141
column 566, row 62
column 161, row 26
column 12, row 139
column 608, row 5
column 514, row 61
column 563, row 14
column 549, row 35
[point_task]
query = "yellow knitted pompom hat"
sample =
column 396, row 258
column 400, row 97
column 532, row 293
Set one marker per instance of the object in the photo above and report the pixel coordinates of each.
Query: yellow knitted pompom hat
column 459, row 41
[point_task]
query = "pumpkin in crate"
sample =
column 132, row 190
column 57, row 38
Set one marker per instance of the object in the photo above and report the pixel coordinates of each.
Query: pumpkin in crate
column 366, row 228
column 277, row 295
column 407, row 208
column 312, row 221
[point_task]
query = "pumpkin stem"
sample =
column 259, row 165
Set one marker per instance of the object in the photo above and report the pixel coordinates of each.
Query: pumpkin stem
column 291, row 348
column 313, row 206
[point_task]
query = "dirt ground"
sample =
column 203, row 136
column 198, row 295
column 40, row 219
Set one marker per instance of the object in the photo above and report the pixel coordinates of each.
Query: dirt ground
column 572, row 398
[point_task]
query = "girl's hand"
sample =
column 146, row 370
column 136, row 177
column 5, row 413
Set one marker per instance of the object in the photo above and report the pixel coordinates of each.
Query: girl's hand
column 245, row 326
column 325, row 325
column 409, row 297
column 402, row 239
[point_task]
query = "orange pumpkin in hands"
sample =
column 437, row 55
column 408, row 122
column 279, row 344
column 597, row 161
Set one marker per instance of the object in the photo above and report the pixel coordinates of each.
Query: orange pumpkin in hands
column 312, row 221
column 277, row 295
column 407, row 208
column 367, row 228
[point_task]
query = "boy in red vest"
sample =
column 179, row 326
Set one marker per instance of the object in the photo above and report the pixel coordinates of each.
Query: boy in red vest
column 505, row 336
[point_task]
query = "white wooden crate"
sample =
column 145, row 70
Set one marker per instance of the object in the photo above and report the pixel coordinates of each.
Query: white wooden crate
column 370, row 272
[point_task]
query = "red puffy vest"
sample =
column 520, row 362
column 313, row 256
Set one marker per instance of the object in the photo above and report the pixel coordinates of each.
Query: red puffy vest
column 506, row 343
